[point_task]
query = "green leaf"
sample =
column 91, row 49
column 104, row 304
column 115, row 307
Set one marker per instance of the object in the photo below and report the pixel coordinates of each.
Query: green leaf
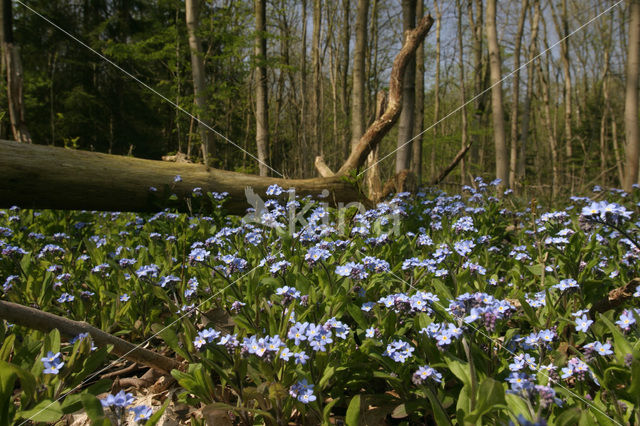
column 155, row 417
column 7, row 347
column 352, row 417
column 228, row 407
column 622, row 345
column 357, row 315
column 634, row 389
column 7, row 380
column 92, row 407
column 460, row 369
column 171, row 339
column 490, row 397
column 586, row 419
column 438, row 411
column 71, row 403
column 46, row 411
column 464, row 400
column 516, row 405
column 328, row 374
column 27, row 382
column 326, row 411
column 536, row 270
column 568, row 417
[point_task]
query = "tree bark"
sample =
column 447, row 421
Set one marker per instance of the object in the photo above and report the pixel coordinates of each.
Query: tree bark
column 436, row 101
column 416, row 158
column 632, row 133
column 562, row 28
column 262, row 105
column 192, row 8
column 551, row 134
column 344, row 77
column 357, row 93
column 515, row 102
column 526, row 108
column 463, row 100
column 502, row 159
column 372, row 177
column 13, row 68
column 38, row 176
column 316, row 65
column 304, row 107
column 480, row 74
column 405, row 124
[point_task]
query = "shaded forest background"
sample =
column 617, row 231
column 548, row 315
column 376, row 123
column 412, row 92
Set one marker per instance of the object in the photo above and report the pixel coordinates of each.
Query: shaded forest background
column 563, row 113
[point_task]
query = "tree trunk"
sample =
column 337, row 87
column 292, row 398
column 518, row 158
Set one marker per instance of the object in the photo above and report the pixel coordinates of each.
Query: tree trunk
column 357, row 93
column 416, row 160
column 632, row 133
column 306, row 153
column 436, row 100
column 13, row 68
column 526, row 108
column 372, row 177
column 551, row 134
column 405, row 124
column 344, row 77
column 606, row 45
column 562, row 28
column 463, row 96
column 38, row 176
column 502, row 159
column 479, row 80
column 262, row 105
column 192, row 8
column 317, row 75
column 515, row 102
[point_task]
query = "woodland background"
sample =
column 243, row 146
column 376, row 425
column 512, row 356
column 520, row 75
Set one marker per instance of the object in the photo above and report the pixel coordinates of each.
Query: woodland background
column 290, row 80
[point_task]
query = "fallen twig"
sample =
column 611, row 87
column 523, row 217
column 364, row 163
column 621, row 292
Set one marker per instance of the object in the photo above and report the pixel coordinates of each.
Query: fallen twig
column 45, row 321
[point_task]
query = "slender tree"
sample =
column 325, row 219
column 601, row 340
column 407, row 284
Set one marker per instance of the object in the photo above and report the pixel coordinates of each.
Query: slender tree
column 405, row 123
column 357, row 93
column 304, row 103
column 632, row 133
column 344, row 74
column 13, row 65
column 480, row 82
column 463, row 93
column 198, row 73
column 497, row 112
column 416, row 157
column 561, row 24
column 262, row 106
column 515, row 102
column 316, row 66
column 526, row 107
column 436, row 95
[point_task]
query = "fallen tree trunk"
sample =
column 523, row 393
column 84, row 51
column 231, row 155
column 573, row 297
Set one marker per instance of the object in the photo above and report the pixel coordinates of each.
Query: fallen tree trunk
column 44, row 177
column 44, row 321
column 37, row 176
